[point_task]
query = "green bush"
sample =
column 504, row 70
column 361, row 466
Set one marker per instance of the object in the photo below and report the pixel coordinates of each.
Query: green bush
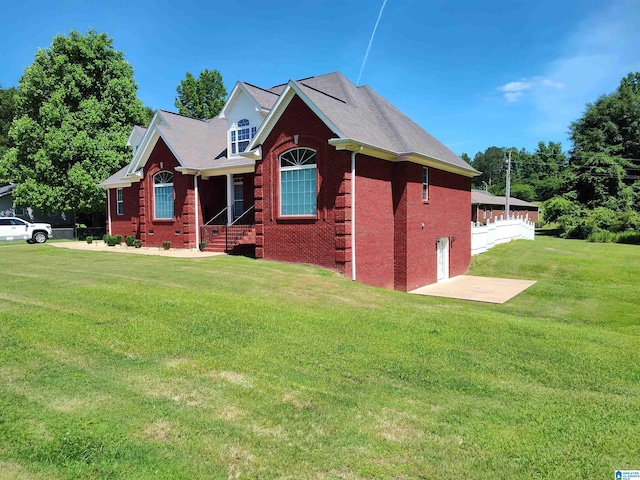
column 89, row 239
column 602, row 236
column 602, row 218
column 575, row 226
column 137, row 243
column 106, row 237
column 118, row 239
column 629, row 237
column 166, row 244
column 557, row 207
column 129, row 240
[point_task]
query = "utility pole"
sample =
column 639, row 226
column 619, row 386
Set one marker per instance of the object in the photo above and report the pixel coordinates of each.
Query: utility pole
column 508, row 189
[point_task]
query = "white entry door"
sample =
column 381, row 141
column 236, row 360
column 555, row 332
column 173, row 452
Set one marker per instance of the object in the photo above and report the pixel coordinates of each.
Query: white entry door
column 443, row 258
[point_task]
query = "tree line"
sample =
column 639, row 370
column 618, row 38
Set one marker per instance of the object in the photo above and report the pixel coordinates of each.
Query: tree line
column 63, row 130
column 593, row 190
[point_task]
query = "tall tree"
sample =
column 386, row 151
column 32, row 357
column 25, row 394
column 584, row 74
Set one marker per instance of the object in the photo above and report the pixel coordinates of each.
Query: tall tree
column 201, row 97
column 606, row 147
column 491, row 164
column 611, row 125
column 7, row 112
column 75, row 106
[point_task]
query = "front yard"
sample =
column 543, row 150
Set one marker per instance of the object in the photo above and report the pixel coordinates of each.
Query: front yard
column 125, row 366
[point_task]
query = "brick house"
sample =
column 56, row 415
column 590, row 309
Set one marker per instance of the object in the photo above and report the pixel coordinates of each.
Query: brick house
column 312, row 171
column 488, row 207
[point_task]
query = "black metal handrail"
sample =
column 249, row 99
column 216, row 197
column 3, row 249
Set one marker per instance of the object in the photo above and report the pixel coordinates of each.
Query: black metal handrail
column 241, row 231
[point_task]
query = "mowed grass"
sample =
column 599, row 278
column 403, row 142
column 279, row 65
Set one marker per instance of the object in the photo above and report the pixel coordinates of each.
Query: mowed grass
column 134, row 367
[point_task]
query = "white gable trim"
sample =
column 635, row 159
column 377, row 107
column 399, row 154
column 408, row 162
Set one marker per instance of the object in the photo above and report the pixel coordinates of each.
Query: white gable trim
column 149, row 142
column 146, row 139
column 238, row 87
column 279, row 108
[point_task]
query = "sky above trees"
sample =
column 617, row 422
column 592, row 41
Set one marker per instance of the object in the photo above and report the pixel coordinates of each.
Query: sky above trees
column 473, row 74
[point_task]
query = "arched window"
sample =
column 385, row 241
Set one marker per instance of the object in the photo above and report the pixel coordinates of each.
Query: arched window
column 298, row 182
column 240, row 136
column 163, row 195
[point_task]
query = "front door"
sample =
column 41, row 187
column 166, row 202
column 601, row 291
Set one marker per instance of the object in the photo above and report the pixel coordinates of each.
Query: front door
column 238, row 197
column 443, row 258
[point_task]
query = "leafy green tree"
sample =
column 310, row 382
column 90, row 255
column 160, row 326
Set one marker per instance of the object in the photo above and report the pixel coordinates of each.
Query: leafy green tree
column 491, row 164
column 557, row 207
column 201, row 97
column 598, row 181
column 611, row 125
column 7, row 112
column 606, row 151
column 75, row 106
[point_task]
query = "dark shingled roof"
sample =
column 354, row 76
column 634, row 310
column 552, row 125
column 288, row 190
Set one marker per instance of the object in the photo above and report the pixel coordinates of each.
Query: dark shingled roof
column 363, row 115
column 480, row 197
column 358, row 112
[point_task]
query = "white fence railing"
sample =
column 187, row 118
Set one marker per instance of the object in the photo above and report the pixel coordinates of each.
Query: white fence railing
column 484, row 237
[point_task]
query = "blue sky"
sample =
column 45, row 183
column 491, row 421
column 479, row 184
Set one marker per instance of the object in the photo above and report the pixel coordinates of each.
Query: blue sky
column 472, row 73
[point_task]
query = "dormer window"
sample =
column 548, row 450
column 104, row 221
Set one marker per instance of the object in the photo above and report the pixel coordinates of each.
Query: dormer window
column 240, row 136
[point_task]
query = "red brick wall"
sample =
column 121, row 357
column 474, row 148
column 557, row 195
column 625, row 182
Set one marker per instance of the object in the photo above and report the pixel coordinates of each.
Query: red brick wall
column 393, row 249
column 375, row 252
column 446, row 214
column 322, row 240
column 127, row 223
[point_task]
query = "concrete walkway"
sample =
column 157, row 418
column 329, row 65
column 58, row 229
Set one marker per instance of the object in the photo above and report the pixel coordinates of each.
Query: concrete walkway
column 99, row 246
column 477, row 289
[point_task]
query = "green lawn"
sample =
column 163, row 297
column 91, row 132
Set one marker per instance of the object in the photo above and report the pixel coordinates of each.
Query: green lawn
column 124, row 366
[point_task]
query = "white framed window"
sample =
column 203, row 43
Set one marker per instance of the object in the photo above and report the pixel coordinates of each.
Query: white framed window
column 163, row 196
column 119, row 202
column 425, row 184
column 240, row 136
column 298, row 193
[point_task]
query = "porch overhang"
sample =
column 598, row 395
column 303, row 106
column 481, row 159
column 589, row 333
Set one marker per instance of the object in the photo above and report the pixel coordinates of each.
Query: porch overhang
column 238, row 168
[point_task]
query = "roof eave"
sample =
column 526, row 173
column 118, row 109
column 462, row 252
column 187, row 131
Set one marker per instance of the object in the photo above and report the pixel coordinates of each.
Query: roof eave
column 107, row 186
column 353, row 145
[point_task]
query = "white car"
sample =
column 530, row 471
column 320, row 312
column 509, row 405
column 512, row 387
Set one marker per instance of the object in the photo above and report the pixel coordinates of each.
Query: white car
column 13, row 228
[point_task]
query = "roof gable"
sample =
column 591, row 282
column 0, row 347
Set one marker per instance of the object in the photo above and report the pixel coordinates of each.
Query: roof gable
column 360, row 117
column 263, row 99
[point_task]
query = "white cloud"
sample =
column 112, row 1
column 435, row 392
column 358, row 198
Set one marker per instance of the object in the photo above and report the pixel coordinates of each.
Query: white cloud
column 516, row 86
column 514, row 91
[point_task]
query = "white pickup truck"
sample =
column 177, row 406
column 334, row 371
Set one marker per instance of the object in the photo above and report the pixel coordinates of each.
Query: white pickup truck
column 12, row 228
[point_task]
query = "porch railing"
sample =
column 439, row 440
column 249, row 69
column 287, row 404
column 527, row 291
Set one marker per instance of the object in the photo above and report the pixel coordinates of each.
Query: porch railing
column 214, row 229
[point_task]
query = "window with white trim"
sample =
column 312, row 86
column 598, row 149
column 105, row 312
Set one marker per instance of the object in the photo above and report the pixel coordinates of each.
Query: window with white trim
column 163, row 196
column 240, row 136
column 298, row 182
column 425, row 184
column 119, row 202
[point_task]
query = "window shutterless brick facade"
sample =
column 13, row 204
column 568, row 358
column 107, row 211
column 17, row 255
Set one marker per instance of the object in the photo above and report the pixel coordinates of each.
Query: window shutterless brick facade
column 396, row 230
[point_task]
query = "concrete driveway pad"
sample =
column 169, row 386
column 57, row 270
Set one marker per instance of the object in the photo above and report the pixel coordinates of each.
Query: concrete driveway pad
column 477, row 289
